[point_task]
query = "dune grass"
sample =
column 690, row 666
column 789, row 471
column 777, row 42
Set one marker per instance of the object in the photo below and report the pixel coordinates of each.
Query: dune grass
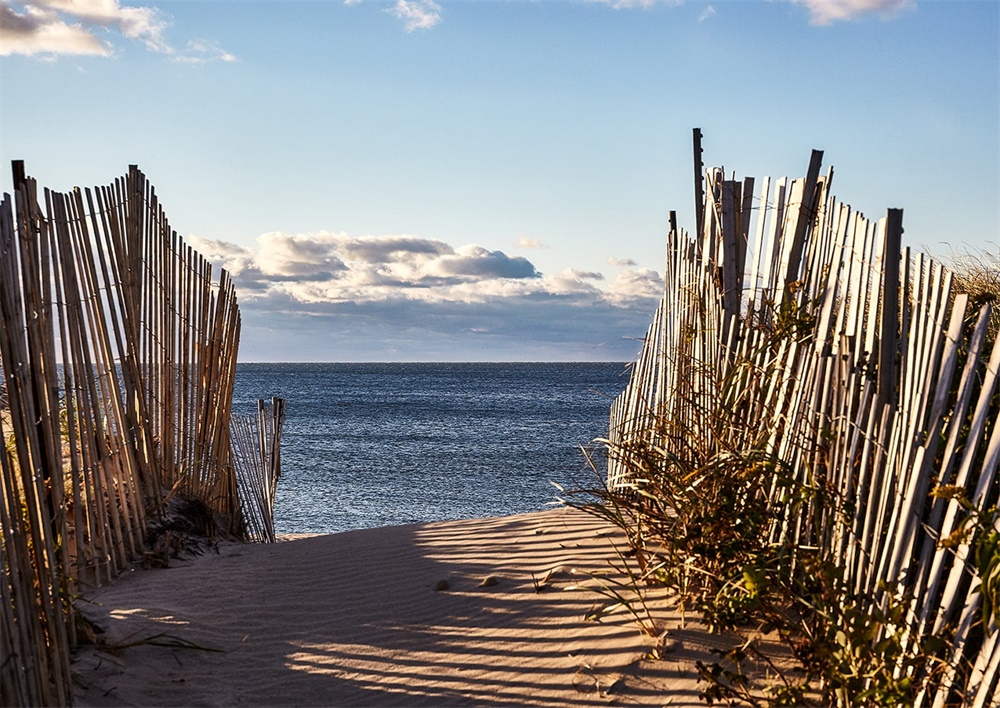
column 718, row 519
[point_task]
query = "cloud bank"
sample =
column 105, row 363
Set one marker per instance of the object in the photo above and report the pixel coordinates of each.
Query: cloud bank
column 328, row 296
column 51, row 28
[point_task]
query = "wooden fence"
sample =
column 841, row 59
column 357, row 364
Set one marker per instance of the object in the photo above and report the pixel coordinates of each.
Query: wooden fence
column 118, row 354
column 257, row 460
column 886, row 389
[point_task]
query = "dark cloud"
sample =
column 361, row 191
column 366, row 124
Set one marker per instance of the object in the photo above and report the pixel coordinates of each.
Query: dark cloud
column 362, row 268
column 15, row 25
column 585, row 274
column 390, row 249
column 481, row 263
column 406, row 298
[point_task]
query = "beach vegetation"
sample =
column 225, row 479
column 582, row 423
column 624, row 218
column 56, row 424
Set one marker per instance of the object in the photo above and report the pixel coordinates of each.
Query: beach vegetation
column 753, row 541
column 978, row 274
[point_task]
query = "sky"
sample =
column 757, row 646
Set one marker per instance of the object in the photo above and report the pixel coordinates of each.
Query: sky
column 426, row 180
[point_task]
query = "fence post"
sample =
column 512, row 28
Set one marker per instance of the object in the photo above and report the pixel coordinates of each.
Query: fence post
column 889, row 323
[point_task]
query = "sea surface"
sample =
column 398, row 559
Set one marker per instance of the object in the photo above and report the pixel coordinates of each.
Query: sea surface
column 368, row 445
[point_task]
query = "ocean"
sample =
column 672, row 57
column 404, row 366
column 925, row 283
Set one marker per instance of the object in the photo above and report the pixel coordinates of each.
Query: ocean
column 368, row 445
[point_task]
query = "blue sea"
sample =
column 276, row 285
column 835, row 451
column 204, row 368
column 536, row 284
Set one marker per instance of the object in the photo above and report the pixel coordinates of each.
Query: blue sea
column 368, row 445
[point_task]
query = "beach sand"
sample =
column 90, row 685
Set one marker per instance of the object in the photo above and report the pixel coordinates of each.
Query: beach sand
column 362, row 618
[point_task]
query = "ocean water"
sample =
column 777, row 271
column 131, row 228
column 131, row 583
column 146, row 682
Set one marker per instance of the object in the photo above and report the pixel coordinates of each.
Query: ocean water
column 368, row 445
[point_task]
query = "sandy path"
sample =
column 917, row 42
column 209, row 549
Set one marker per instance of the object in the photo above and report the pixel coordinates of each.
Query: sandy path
column 355, row 619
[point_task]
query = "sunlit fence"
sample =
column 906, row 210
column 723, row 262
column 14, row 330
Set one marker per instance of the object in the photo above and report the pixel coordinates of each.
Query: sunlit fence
column 118, row 354
column 794, row 325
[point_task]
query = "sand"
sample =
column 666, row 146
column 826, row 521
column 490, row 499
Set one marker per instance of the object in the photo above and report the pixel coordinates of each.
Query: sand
column 364, row 618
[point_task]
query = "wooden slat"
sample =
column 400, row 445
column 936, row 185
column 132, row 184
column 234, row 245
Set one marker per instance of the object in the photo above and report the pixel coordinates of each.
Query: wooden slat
column 875, row 408
column 119, row 361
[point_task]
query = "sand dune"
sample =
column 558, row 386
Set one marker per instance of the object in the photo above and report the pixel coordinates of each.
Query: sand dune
column 364, row 618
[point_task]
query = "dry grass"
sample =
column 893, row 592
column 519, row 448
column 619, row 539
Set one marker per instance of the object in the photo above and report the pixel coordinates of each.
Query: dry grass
column 978, row 274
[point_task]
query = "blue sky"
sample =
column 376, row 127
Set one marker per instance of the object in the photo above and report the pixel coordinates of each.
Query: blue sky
column 418, row 180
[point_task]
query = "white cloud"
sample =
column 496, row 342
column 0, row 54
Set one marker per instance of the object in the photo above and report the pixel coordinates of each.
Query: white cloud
column 529, row 242
column 231, row 256
column 621, row 262
column 572, row 284
column 416, row 14
column 36, row 30
column 298, row 257
column 84, row 27
column 202, row 51
column 706, row 13
column 824, row 12
column 140, row 23
column 638, row 285
column 334, row 296
column 328, row 267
